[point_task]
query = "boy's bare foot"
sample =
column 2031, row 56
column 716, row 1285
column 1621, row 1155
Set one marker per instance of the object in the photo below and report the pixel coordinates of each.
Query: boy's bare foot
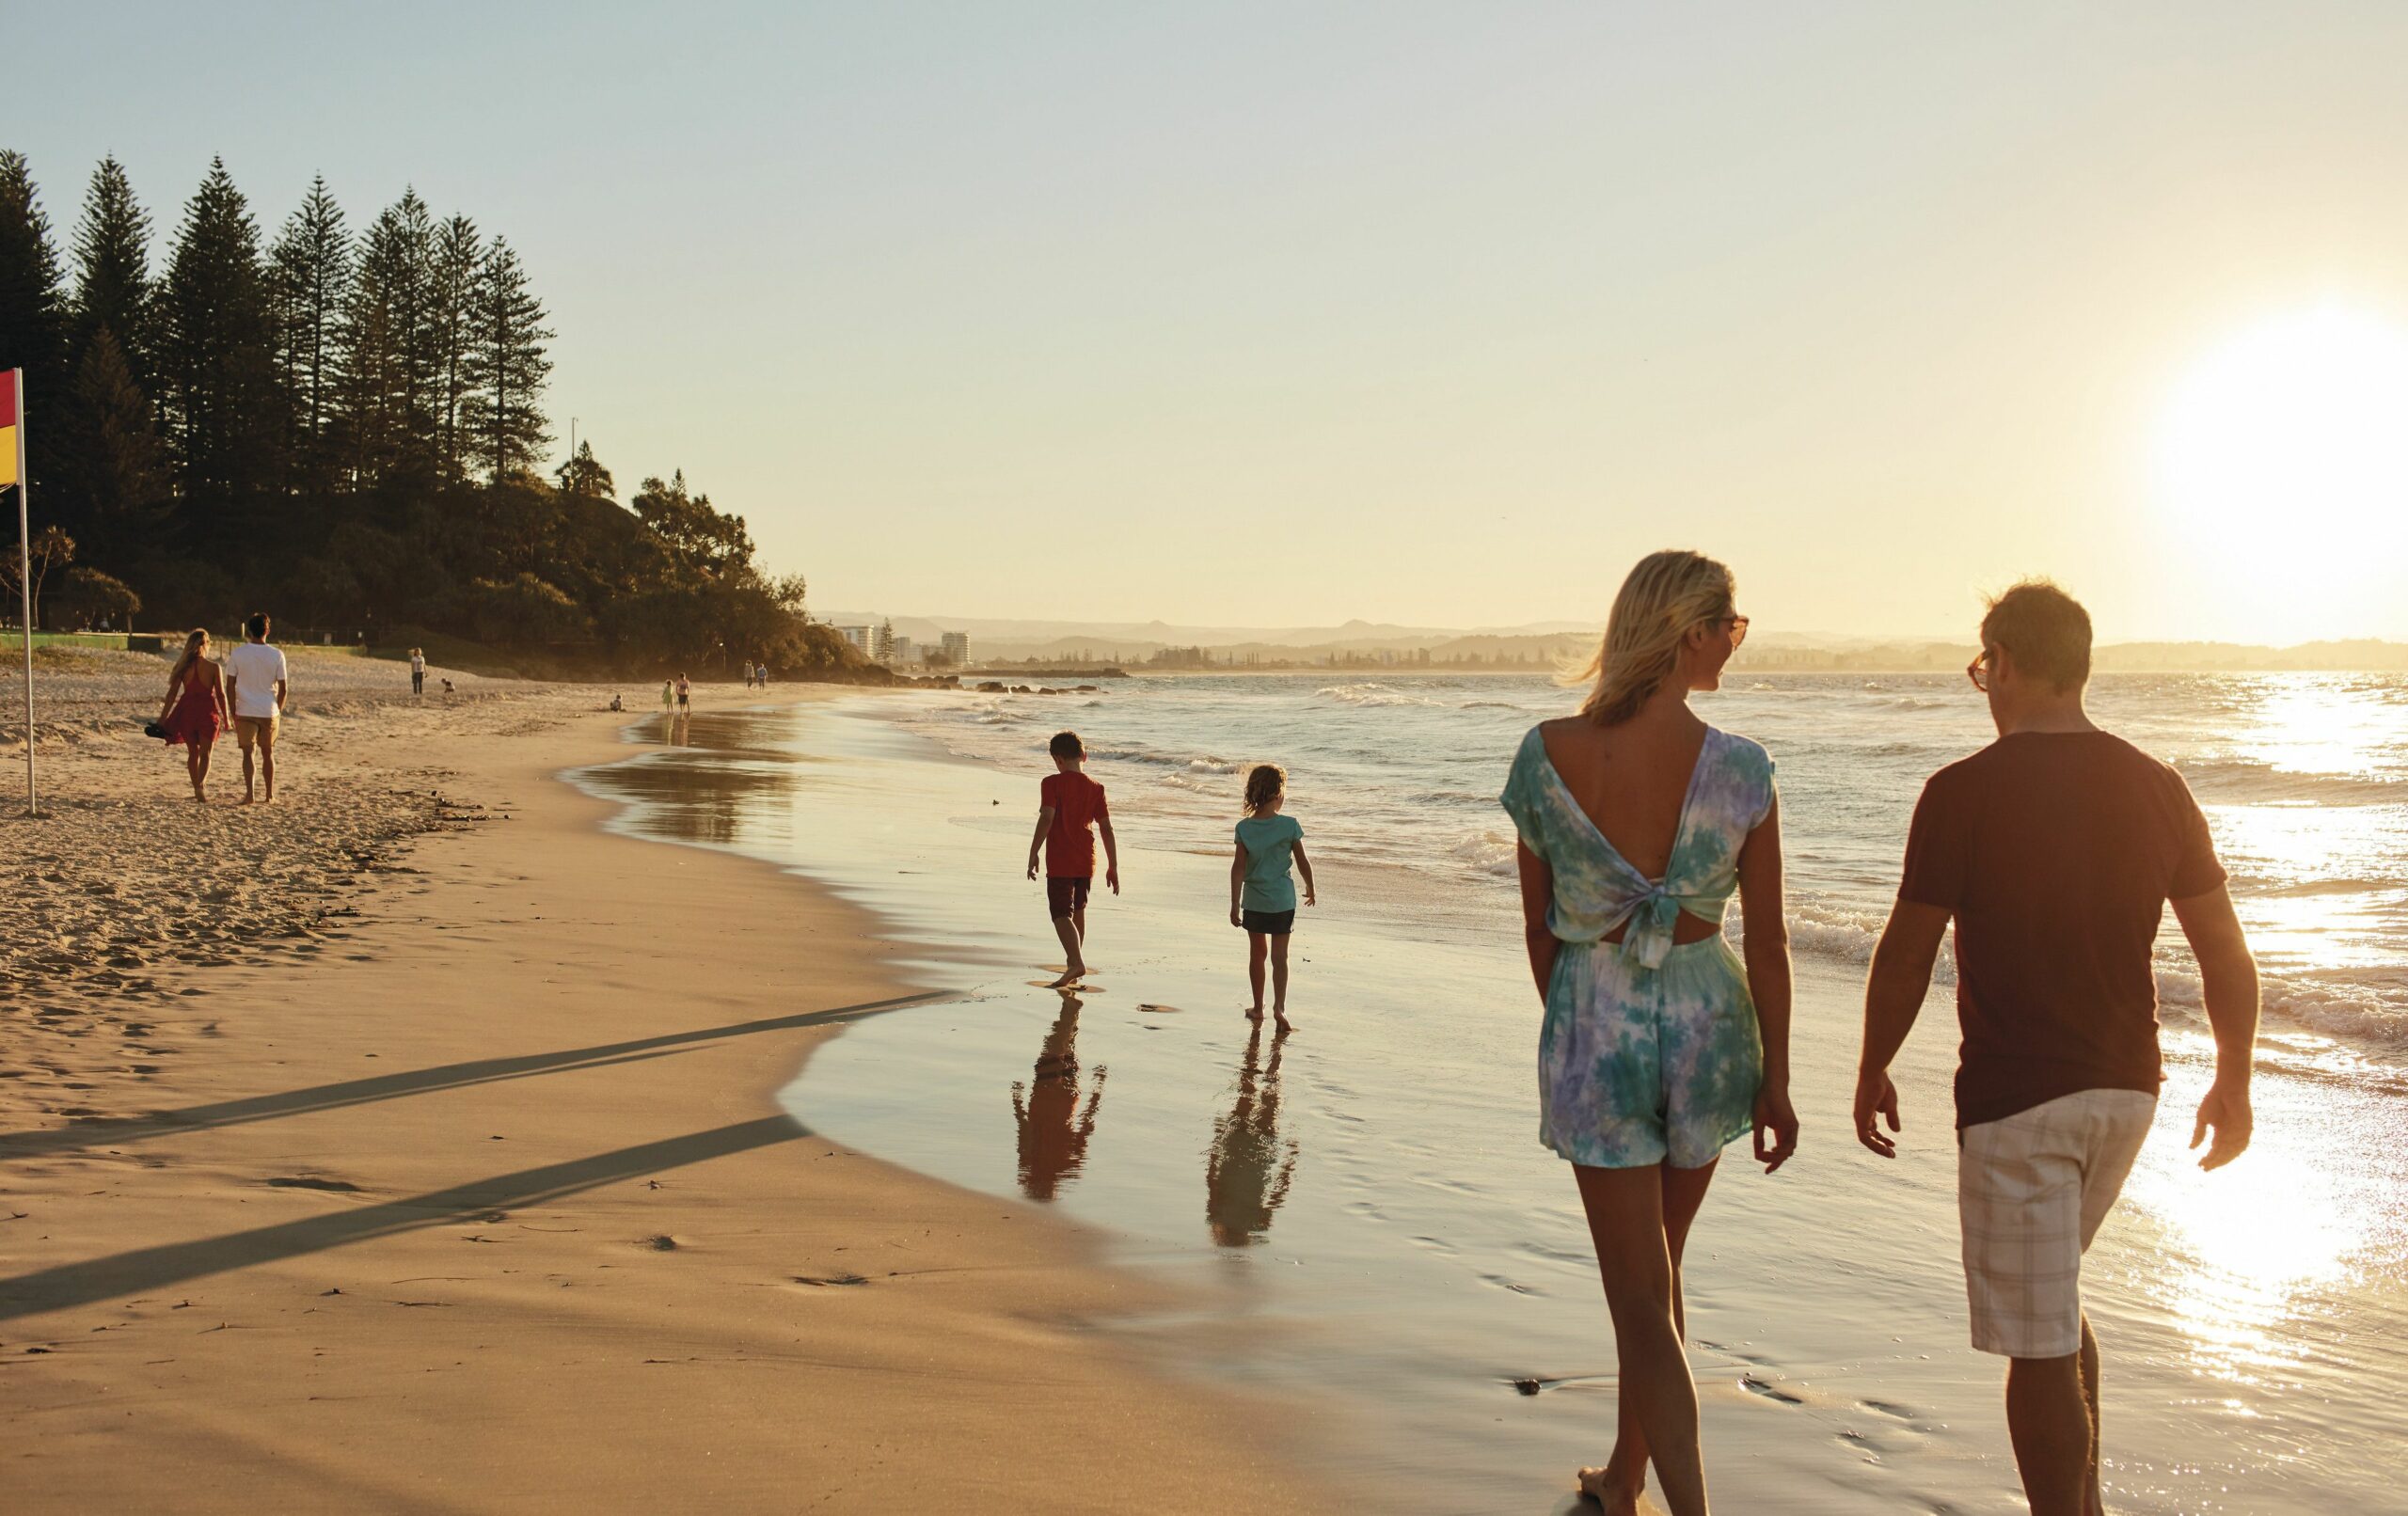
column 1607, row 1488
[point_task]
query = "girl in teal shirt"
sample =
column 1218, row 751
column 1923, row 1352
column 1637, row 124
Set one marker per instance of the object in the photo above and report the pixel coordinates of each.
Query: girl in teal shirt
column 1262, row 898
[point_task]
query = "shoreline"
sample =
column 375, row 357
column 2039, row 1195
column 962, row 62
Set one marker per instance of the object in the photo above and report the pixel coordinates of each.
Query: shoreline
column 562, row 1247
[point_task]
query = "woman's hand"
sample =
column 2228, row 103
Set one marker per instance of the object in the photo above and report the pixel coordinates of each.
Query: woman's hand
column 1777, row 1118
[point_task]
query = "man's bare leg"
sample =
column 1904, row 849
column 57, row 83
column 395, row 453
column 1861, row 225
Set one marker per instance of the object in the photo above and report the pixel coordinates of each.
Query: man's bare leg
column 267, row 769
column 2056, row 1442
column 250, row 786
column 2098, row 1506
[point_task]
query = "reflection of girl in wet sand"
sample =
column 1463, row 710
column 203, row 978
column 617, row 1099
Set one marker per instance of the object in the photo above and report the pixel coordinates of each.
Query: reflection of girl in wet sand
column 1053, row 1131
column 1250, row 1166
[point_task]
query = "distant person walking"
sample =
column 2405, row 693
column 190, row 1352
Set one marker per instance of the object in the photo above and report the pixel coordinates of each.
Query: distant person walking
column 256, row 671
column 1069, row 802
column 194, row 711
column 764, row 672
column 748, row 673
column 685, row 694
column 1637, row 821
column 668, row 696
column 418, row 671
column 1263, row 897
column 2054, row 851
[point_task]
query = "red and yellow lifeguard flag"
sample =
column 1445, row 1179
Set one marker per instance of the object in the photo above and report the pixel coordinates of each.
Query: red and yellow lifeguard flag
column 8, row 425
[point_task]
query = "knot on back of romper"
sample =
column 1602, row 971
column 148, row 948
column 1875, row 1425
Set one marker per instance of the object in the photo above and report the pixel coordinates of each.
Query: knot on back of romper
column 1648, row 934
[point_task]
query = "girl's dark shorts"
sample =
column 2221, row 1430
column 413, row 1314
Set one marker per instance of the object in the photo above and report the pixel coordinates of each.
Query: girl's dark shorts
column 1064, row 895
column 1270, row 923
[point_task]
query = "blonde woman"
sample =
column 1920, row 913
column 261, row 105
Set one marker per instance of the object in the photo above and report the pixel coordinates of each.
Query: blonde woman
column 193, row 712
column 1638, row 821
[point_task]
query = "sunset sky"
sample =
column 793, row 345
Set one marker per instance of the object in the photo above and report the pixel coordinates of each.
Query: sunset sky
column 1278, row 315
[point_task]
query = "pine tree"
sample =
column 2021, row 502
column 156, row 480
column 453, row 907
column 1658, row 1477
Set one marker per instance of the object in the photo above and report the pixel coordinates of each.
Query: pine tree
column 216, row 361
column 33, row 323
column 113, row 270
column 388, row 370
column 458, row 253
column 510, row 365
column 115, row 471
column 311, row 276
column 583, row 474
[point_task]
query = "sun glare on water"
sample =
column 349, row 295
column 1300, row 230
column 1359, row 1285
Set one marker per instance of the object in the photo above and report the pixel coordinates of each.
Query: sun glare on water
column 2281, row 466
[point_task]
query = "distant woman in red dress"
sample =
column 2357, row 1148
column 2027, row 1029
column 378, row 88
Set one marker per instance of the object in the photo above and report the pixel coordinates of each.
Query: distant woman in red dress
column 194, row 711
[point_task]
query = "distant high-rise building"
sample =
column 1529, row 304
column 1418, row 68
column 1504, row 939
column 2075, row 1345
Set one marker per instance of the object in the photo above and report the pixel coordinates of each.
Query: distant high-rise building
column 956, row 648
column 858, row 636
column 899, row 650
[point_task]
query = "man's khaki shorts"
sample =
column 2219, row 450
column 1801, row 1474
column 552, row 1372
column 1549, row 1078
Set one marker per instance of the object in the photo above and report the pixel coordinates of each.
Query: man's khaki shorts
column 259, row 729
column 2032, row 1191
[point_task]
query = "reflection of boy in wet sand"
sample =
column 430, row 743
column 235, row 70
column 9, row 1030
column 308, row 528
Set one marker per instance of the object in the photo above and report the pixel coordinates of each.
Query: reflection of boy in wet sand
column 1053, row 1131
column 1247, row 1173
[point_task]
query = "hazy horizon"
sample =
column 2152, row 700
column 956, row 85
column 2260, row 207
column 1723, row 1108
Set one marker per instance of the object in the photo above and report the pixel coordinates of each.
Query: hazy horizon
column 1274, row 318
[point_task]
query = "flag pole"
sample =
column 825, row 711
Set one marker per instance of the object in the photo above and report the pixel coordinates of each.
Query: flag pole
column 25, row 587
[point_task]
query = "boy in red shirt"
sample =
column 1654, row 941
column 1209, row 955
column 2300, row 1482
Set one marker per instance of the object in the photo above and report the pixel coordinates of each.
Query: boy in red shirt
column 1068, row 803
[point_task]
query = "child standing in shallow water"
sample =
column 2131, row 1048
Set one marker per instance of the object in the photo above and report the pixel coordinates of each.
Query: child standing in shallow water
column 1262, row 898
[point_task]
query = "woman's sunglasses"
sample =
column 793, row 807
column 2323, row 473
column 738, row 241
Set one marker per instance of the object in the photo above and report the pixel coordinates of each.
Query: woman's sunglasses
column 1738, row 630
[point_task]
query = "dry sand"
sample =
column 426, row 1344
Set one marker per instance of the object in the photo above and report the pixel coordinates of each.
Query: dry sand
column 411, row 1146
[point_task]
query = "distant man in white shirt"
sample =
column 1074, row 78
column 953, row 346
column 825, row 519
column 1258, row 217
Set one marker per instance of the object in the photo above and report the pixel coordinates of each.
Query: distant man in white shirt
column 254, row 681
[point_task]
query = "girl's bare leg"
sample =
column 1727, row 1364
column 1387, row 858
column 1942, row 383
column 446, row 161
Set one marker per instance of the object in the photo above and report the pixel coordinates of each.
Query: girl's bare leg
column 1278, row 981
column 1255, row 946
column 1628, row 1224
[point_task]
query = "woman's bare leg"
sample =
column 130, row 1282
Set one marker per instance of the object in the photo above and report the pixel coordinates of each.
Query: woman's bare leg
column 1617, row 1484
column 1627, row 1225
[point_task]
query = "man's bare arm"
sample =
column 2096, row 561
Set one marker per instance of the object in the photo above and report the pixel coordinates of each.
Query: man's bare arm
column 2228, row 983
column 1894, row 993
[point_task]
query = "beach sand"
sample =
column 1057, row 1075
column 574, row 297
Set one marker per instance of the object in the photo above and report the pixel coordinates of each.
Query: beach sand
column 411, row 1146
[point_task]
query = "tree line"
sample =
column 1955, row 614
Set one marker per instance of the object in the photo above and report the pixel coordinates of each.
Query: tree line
column 344, row 428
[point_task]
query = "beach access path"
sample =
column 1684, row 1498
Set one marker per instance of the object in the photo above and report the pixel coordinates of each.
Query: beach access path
column 412, row 1145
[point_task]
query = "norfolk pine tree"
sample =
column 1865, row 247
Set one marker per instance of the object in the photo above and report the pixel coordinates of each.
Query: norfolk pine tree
column 33, row 317
column 311, row 271
column 217, row 363
column 510, row 365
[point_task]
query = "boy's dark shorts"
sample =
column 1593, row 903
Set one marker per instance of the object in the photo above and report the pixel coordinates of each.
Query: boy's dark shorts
column 1065, row 896
column 1270, row 923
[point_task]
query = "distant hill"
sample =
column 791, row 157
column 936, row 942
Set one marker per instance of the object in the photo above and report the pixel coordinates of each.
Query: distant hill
column 1541, row 643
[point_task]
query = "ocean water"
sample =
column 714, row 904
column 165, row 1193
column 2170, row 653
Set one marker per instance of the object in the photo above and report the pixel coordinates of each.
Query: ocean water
column 1366, row 1224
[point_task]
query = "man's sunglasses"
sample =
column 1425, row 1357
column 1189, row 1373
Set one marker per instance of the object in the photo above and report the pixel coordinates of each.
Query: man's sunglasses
column 1979, row 670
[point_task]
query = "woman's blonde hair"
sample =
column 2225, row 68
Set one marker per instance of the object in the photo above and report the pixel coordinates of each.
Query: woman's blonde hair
column 1665, row 595
column 1265, row 784
column 193, row 642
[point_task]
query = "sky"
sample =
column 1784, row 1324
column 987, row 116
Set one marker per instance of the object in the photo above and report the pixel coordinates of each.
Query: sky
column 1438, row 314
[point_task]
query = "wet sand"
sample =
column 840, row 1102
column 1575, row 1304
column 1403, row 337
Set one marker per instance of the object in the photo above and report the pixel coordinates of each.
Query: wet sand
column 438, row 1167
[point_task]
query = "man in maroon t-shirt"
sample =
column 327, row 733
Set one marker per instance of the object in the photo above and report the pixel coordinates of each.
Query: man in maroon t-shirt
column 1068, row 803
column 2055, row 850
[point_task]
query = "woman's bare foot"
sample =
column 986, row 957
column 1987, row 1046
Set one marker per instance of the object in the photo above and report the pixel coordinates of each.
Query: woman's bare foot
column 1607, row 1488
